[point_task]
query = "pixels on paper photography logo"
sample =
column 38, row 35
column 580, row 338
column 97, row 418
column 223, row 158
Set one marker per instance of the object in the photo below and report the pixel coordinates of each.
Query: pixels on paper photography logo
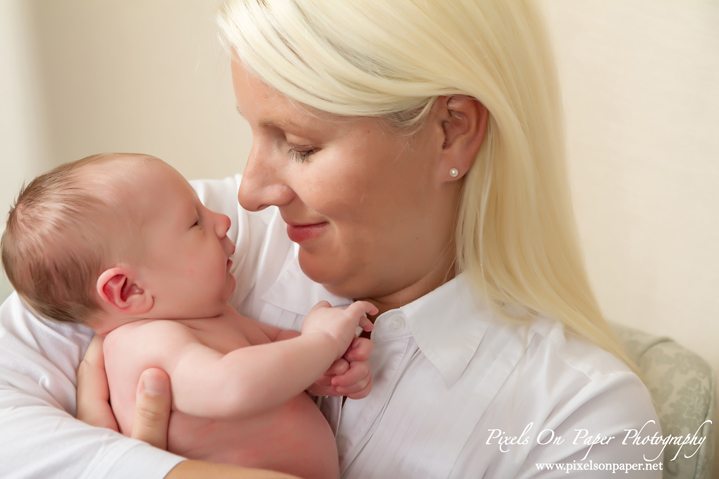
column 688, row 444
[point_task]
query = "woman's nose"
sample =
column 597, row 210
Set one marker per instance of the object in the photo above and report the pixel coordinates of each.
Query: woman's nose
column 262, row 183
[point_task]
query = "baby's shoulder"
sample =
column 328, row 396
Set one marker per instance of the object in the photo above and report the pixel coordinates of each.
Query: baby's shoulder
column 149, row 335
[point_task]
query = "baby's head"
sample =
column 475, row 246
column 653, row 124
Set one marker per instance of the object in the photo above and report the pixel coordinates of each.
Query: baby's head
column 117, row 237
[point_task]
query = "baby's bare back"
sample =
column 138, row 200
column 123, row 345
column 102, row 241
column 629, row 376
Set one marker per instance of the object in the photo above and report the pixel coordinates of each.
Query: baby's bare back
column 293, row 437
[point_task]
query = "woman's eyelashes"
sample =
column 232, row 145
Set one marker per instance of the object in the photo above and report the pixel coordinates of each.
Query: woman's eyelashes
column 301, row 155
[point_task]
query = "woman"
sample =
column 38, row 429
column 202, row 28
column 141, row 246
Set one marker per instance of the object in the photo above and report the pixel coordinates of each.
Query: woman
column 414, row 154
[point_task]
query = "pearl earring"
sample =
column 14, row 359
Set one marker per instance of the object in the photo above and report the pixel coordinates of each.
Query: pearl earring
column 454, row 172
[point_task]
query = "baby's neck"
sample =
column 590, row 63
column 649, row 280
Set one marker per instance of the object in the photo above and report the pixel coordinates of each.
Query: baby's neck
column 103, row 324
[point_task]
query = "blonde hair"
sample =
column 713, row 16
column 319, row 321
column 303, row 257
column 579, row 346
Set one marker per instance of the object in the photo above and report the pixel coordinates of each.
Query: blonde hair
column 516, row 237
column 59, row 237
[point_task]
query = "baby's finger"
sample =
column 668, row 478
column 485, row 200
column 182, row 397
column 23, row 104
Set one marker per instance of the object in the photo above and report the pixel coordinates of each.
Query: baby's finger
column 363, row 393
column 360, row 308
column 357, row 372
column 366, row 324
column 322, row 387
column 359, row 350
column 356, row 390
column 338, row 368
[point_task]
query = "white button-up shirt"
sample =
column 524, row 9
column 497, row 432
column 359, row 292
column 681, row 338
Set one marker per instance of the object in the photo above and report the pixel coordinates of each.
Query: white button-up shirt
column 451, row 382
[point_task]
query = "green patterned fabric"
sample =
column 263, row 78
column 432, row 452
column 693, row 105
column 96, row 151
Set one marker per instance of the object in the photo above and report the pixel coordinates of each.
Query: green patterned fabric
column 682, row 387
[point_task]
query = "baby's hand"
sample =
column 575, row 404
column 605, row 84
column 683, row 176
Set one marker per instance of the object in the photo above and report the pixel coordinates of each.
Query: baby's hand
column 356, row 383
column 339, row 324
column 350, row 375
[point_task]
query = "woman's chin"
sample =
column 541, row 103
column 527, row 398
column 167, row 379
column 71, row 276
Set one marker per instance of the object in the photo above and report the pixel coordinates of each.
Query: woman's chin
column 319, row 267
column 335, row 275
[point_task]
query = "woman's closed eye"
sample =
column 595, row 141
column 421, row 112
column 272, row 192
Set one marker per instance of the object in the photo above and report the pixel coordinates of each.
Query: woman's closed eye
column 301, row 155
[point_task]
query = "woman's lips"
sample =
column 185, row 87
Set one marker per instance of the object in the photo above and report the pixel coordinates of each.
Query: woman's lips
column 300, row 233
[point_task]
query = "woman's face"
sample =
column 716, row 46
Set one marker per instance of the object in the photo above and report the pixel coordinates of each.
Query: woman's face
column 365, row 203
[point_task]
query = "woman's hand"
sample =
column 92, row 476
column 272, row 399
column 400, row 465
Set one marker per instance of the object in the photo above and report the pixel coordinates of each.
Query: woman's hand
column 152, row 412
column 152, row 415
column 152, row 408
column 93, row 394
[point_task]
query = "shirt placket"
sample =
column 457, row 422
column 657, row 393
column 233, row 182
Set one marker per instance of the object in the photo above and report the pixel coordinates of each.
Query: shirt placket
column 393, row 344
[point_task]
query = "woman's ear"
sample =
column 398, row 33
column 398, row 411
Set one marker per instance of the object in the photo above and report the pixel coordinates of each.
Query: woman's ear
column 464, row 123
column 118, row 289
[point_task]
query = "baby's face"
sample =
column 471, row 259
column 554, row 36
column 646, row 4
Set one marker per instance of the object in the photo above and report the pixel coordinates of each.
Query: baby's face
column 186, row 261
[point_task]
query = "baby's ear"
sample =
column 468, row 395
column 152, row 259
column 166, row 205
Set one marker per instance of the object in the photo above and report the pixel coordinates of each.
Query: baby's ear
column 117, row 288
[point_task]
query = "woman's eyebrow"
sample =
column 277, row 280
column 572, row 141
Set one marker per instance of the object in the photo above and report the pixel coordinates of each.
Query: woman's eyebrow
column 276, row 123
column 271, row 122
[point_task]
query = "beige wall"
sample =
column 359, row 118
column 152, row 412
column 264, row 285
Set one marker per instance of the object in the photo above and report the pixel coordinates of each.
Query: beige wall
column 84, row 76
column 138, row 76
column 641, row 90
column 22, row 149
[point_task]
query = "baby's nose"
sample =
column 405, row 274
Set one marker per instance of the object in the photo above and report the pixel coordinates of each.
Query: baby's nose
column 222, row 225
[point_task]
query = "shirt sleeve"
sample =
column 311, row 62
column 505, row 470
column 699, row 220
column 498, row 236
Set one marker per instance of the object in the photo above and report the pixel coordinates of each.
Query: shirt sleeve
column 606, row 428
column 39, row 435
column 575, row 411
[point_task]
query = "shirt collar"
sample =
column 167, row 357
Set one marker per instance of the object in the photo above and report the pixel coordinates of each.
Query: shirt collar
column 294, row 291
column 448, row 325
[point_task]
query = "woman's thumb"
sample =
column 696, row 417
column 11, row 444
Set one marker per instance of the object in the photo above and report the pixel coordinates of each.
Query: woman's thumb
column 152, row 409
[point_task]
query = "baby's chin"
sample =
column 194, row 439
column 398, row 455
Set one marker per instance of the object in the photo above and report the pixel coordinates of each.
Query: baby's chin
column 231, row 285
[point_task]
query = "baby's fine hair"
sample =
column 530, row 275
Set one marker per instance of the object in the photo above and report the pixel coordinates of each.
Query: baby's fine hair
column 59, row 236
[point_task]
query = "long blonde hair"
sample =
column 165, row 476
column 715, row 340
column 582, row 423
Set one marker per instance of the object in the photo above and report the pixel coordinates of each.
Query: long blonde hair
column 516, row 236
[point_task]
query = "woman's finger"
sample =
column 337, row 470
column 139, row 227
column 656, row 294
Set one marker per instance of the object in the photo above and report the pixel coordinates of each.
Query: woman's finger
column 93, row 395
column 152, row 410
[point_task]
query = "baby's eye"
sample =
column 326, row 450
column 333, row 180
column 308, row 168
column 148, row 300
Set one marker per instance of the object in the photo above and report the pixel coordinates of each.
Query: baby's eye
column 301, row 155
column 196, row 223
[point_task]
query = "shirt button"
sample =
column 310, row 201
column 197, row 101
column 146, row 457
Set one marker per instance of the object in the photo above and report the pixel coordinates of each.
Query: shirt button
column 397, row 324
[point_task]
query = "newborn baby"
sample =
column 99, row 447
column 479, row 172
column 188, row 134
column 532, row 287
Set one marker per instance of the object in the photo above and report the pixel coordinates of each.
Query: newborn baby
column 122, row 244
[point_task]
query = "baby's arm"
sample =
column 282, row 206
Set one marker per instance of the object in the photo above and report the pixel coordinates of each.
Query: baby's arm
column 348, row 376
column 254, row 379
column 274, row 333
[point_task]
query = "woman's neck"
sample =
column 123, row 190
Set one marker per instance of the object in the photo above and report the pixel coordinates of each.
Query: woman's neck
column 443, row 271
